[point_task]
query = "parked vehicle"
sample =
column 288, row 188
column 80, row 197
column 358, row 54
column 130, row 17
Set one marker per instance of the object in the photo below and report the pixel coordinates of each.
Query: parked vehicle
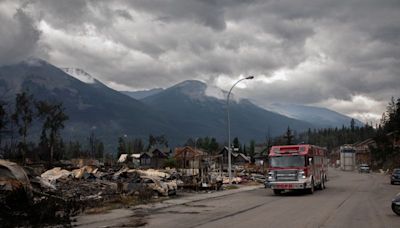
column 297, row 167
column 364, row 168
column 396, row 204
column 395, row 177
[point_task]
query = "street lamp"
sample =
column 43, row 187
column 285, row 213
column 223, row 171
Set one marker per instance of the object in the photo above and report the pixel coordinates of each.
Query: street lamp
column 229, row 129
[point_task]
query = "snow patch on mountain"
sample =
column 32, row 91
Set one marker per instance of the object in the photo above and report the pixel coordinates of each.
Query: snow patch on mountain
column 79, row 74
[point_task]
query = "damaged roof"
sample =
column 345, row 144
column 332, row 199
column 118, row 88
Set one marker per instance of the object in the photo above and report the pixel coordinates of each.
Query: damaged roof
column 188, row 152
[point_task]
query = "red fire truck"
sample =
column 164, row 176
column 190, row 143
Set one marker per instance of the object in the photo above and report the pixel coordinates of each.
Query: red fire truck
column 297, row 167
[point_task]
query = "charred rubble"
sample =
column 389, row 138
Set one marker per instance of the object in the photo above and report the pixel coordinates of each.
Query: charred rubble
column 32, row 196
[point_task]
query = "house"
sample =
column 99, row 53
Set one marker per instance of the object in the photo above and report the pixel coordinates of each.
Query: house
column 236, row 158
column 261, row 155
column 189, row 158
column 363, row 151
column 198, row 168
column 240, row 159
column 154, row 158
column 145, row 159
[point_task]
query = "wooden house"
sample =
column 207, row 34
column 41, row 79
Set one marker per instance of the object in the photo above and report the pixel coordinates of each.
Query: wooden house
column 363, row 151
column 236, row 158
column 188, row 157
column 154, row 158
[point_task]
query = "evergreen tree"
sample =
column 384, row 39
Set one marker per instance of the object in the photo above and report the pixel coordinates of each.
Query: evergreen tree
column 138, row 146
column 352, row 124
column 236, row 144
column 252, row 150
column 289, row 136
column 213, row 146
column 157, row 141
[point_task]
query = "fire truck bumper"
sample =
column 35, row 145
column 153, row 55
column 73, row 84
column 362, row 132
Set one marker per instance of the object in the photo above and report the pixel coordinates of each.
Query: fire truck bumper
column 289, row 185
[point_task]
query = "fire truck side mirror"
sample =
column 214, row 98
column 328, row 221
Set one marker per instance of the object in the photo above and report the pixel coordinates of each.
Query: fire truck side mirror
column 310, row 160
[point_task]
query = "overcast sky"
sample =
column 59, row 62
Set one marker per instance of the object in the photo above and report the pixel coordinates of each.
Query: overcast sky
column 343, row 55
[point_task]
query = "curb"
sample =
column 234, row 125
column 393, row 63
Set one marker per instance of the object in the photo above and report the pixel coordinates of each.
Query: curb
column 89, row 221
column 196, row 198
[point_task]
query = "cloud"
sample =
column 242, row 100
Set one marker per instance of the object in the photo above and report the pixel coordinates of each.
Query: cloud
column 124, row 14
column 311, row 52
column 19, row 36
column 209, row 13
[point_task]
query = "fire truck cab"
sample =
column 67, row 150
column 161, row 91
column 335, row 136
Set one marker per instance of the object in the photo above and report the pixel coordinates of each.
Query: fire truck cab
column 297, row 167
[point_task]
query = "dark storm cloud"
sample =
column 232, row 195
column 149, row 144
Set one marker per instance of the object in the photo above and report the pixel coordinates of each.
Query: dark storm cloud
column 74, row 15
column 62, row 13
column 18, row 37
column 123, row 13
column 207, row 12
column 304, row 51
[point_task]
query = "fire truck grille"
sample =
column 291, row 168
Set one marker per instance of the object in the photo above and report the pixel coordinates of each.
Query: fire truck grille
column 286, row 175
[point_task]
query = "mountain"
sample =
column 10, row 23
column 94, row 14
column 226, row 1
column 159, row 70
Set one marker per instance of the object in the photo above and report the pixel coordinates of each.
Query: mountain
column 142, row 93
column 91, row 107
column 186, row 110
column 320, row 117
column 195, row 113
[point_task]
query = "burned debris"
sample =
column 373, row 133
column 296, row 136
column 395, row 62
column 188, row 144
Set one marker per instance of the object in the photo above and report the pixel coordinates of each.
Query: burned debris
column 31, row 195
column 24, row 201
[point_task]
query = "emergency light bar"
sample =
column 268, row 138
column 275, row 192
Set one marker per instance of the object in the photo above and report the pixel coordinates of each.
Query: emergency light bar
column 289, row 150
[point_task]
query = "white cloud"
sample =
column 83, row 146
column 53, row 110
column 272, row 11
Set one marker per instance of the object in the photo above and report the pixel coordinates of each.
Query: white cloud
column 361, row 107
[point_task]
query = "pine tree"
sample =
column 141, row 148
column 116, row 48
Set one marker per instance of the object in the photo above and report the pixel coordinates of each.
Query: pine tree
column 236, row 144
column 289, row 136
column 252, row 150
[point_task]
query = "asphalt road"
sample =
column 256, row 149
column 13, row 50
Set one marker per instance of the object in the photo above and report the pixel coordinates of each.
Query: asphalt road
column 350, row 200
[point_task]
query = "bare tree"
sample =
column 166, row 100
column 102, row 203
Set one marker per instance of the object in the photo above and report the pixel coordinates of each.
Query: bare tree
column 54, row 117
column 23, row 117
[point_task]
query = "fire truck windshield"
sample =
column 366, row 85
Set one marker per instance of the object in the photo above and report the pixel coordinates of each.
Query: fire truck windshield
column 287, row 161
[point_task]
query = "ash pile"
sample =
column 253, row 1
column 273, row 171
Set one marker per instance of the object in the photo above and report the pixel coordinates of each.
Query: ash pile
column 30, row 198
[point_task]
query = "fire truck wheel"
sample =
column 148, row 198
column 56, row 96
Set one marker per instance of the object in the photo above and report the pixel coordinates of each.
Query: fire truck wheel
column 277, row 192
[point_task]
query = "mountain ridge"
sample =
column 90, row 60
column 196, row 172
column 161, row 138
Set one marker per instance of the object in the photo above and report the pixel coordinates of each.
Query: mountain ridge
column 321, row 117
column 186, row 110
column 91, row 107
column 208, row 113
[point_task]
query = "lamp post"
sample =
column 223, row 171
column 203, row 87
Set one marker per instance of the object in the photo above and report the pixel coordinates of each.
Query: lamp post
column 229, row 129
